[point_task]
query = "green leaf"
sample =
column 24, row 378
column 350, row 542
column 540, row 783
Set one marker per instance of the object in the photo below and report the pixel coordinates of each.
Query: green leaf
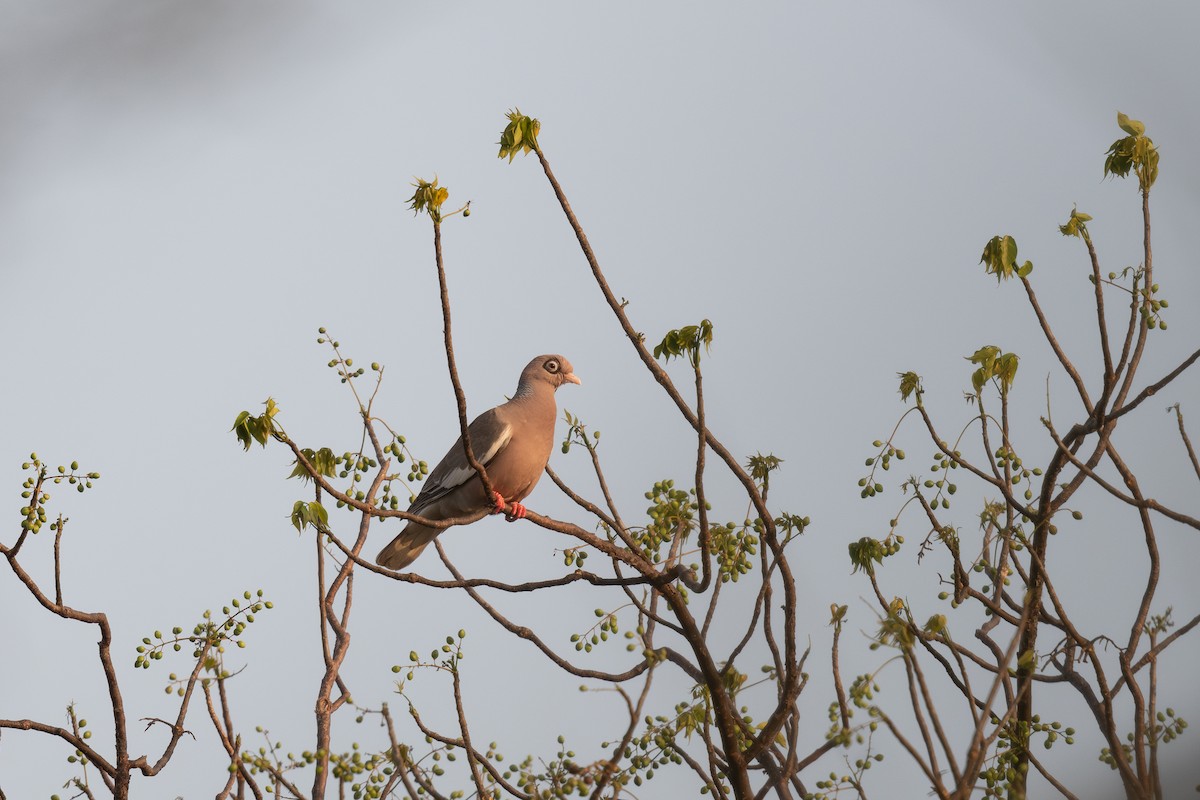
column 520, row 136
column 322, row 460
column 260, row 429
column 325, row 462
column 1025, row 269
column 686, row 341
column 865, row 553
column 1075, row 226
column 993, row 364
column 1135, row 152
column 311, row 513
column 909, row 382
column 1120, row 157
column 1145, row 158
column 299, row 515
column 1130, row 126
column 428, row 197
column 1000, row 257
column 1006, row 370
column 761, row 467
column 240, row 428
column 985, row 356
column 1008, row 250
column 893, row 629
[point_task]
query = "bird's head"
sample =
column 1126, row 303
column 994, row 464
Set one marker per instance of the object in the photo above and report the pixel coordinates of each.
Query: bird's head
column 552, row 370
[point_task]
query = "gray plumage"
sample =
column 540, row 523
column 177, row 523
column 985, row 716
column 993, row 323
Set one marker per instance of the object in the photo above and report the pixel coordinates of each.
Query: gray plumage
column 513, row 442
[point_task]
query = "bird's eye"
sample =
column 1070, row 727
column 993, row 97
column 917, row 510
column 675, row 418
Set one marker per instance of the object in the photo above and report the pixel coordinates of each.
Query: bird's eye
column 551, row 366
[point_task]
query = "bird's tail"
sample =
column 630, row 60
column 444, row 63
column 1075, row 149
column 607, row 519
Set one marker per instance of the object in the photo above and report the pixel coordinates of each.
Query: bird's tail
column 408, row 544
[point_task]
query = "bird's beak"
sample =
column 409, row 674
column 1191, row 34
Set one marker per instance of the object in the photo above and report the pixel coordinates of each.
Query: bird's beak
column 571, row 378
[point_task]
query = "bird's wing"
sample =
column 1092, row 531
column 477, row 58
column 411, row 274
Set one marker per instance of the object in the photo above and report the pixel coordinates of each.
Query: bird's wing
column 489, row 435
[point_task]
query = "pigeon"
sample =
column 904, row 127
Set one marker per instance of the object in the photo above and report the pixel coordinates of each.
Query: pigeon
column 513, row 443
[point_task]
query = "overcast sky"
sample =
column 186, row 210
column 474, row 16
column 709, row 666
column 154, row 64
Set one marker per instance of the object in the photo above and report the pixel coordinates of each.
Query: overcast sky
column 189, row 190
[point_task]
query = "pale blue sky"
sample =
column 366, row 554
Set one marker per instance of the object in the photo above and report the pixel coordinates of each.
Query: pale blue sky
column 190, row 190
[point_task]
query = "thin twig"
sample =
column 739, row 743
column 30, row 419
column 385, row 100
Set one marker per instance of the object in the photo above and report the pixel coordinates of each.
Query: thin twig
column 460, row 397
column 1187, row 442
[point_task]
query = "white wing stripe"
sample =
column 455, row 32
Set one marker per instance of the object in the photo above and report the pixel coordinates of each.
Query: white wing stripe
column 457, row 477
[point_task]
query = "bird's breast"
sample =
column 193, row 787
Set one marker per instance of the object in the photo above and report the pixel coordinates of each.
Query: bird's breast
column 516, row 469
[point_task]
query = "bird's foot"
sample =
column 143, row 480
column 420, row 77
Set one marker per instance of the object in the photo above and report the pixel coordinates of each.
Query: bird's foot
column 512, row 511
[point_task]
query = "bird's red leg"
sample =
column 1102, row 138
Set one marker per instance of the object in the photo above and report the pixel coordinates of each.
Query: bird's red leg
column 512, row 511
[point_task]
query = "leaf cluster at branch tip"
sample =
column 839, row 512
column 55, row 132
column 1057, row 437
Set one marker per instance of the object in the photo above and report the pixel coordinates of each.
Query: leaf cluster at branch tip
column 520, row 136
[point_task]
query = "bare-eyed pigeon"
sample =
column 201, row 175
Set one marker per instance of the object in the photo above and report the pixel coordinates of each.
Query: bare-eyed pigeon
column 512, row 441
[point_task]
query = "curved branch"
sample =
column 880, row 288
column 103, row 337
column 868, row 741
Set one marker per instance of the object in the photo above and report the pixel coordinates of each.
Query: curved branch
column 528, row 635
column 636, row 339
column 1054, row 345
column 177, row 729
column 460, row 397
column 373, row 510
column 1105, row 348
column 487, row 583
column 118, row 773
column 1149, row 391
column 1183, row 434
column 64, row 734
column 1147, row 503
column 579, row 500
